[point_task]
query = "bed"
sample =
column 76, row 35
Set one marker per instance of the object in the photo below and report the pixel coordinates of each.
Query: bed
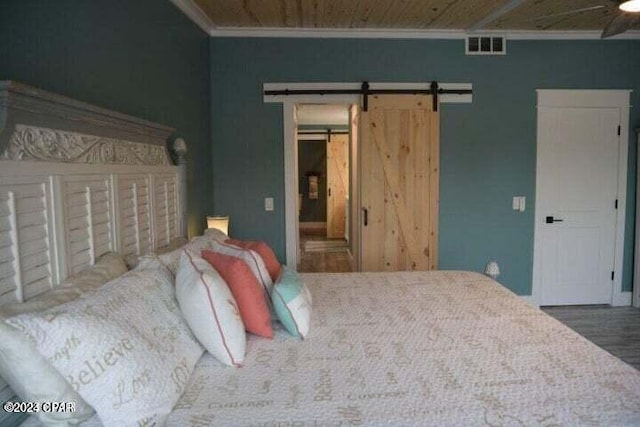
column 440, row 348
column 432, row 348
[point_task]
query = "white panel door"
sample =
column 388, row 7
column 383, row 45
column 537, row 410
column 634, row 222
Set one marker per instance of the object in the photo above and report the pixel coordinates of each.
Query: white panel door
column 577, row 174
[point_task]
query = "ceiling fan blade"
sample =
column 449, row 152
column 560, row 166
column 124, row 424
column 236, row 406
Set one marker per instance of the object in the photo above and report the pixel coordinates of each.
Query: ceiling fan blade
column 619, row 25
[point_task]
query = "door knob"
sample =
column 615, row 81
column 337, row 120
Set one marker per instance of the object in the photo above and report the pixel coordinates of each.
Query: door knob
column 551, row 220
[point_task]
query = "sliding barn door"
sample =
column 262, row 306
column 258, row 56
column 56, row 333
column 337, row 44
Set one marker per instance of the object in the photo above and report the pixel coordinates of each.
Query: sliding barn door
column 337, row 186
column 399, row 137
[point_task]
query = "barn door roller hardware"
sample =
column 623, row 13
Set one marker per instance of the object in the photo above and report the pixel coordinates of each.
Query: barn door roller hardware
column 433, row 90
column 366, row 91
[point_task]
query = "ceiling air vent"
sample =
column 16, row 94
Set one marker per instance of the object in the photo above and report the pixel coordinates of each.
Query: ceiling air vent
column 486, row 45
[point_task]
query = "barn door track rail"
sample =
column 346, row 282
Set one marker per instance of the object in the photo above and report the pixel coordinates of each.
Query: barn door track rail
column 366, row 89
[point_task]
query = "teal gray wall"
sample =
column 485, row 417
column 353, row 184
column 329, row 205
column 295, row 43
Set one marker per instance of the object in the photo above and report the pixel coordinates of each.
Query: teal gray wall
column 312, row 157
column 142, row 57
column 488, row 147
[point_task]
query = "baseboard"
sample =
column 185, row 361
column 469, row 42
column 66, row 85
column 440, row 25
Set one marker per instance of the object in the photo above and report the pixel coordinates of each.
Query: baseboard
column 621, row 299
column 529, row 299
column 352, row 261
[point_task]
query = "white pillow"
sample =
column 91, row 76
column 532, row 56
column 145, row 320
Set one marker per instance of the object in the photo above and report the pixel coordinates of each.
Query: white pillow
column 213, row 234
column 132, row 260
column 210, row 309
column 253, row 259
column 34, row 379
column 171, row 260
column 26, row 371
column 107, row 267
column 152, row 262
column 124, row 348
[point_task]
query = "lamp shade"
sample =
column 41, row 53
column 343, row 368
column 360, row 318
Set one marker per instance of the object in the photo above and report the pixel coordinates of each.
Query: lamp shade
column 630, row 6
column 492, row 269
column 219, row 223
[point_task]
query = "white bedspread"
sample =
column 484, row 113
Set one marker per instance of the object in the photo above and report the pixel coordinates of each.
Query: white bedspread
column 423, row 349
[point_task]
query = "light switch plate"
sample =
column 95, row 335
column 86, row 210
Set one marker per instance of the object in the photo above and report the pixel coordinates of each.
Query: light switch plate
column 516, row 203
column 268, row 204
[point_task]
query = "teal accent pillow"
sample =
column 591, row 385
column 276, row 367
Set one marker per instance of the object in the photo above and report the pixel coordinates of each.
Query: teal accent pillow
column 292, row 302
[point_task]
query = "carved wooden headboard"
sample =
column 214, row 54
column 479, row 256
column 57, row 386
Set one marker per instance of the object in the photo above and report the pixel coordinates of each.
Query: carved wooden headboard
column 78, row 181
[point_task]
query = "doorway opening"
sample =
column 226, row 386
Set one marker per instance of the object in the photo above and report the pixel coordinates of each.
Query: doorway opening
column 324, row 137
column 290, row 95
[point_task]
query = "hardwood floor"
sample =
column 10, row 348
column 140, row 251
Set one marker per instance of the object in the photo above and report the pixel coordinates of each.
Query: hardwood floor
column 331, row 261
column 616, row 329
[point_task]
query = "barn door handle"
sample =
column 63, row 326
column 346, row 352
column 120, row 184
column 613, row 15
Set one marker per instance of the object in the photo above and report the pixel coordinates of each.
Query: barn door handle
column 365, row 211
column 551, row 220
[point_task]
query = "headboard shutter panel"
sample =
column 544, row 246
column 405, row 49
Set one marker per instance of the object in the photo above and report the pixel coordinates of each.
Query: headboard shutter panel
column 166, row 209
column 135, row 215
column 25, row 238
column 89, row 215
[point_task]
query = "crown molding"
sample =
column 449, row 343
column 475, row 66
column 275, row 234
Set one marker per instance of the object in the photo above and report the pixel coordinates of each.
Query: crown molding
column 569, row 35
column 197, row 15
column 329, row 33
column 337, row 33
column 193, row 11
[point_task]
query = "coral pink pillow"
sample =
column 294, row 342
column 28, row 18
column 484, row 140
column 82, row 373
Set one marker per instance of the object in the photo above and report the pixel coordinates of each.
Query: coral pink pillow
column 265, row 252
column 245, row 289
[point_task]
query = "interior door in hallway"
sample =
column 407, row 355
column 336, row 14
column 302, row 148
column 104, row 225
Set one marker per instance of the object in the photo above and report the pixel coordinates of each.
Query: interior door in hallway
column 337, row 185
column 399, row 160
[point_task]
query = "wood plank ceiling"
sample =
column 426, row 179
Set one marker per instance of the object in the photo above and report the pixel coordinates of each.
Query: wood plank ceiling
column 411, row 14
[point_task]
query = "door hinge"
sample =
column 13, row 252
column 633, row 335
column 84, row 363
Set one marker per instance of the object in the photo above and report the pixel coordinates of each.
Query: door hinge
column 619, row 130
column 616, row 204
column 613, row 274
